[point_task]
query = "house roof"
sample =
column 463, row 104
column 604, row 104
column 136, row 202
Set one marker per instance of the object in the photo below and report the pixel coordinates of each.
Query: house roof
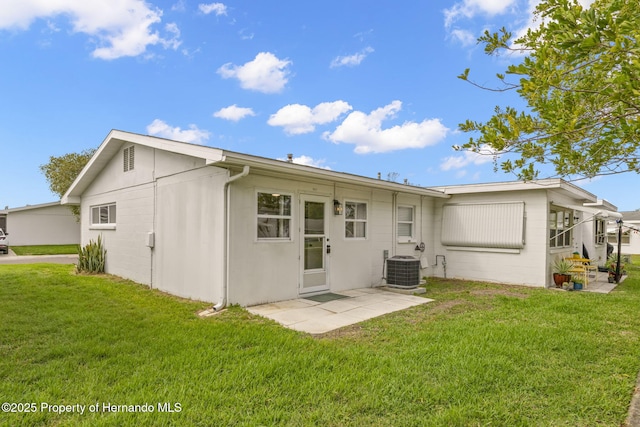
column 541, row 184
column 225, row 159
column 30, row 207
column 631, row 215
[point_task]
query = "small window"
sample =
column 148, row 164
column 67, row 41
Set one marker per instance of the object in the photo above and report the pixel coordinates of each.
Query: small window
column 103, row 214
column 405, row 221
column 560, row 227
column 613, row 237
column 274, row 216
column 355, row 220
column 128, row 158
column 600, row 231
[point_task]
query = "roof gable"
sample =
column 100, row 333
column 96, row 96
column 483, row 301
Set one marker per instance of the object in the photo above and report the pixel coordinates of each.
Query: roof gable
column 221, row 158
column 114, row 142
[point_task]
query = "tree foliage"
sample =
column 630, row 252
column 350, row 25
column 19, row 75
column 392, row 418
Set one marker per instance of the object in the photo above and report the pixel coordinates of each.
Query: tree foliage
column 62, row 171
column 580, row 79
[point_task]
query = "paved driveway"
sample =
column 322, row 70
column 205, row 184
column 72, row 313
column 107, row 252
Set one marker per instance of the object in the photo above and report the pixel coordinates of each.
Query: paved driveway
column 12, row 258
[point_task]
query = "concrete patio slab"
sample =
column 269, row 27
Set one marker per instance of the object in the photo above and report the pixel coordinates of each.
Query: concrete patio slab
column 318, row 318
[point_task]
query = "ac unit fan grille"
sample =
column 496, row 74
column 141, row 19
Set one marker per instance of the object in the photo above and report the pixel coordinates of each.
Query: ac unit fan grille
column 403, row 272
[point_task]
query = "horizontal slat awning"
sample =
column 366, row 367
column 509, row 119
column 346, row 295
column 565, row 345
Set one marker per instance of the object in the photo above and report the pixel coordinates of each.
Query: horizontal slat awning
column 495, row 225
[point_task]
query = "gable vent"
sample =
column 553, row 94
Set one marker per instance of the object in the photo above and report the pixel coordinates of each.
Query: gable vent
column 129, row 158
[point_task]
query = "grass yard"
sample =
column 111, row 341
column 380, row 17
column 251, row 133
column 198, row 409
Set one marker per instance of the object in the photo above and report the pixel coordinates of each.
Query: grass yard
column 481, row 354
column 45, row 250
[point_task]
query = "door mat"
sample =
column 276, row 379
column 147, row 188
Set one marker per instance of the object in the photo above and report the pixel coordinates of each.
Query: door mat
column 326, row 297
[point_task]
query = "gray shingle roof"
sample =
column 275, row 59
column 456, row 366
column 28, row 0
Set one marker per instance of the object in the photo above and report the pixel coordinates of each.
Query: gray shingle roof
column 631, row 215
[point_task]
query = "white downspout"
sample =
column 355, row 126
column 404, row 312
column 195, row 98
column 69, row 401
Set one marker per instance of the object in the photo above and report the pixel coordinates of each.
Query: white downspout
column 225, row 285
column 394, row 227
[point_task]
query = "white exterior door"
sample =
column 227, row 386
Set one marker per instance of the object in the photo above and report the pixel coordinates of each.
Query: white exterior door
column 314, row 243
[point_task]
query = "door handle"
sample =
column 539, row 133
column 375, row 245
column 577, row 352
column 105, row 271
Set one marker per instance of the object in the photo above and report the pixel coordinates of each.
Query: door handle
column 328, row 249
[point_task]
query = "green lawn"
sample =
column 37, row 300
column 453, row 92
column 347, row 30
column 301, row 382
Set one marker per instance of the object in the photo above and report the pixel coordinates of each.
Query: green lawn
column 481, row 354
column 45, row 249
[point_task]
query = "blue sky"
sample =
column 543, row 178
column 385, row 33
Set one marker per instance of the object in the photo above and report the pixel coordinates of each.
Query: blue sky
column 353, row 86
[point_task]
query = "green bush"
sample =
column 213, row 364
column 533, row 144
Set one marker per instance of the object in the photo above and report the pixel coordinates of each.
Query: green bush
column 91, row 258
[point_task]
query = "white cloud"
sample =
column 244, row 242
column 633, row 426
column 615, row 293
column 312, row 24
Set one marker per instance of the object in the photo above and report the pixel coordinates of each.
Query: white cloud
column 309, row 161
column 298, row 119
column 217, row 8
column 351, row 60
column 121, row 28
column 179, row 6
column 464, row 37
column 266, row 73
column 163, row 130
column 467, row 158
column 522, row 16
column 245, row 34
column 365, row 131
column 233, row 113
column 470, row 8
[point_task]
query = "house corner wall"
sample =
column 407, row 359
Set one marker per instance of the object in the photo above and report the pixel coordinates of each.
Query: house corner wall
column 524, row 266
column 188, row 256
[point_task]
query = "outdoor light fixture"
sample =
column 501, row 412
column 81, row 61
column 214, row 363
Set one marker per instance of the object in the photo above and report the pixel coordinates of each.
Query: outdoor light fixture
column 337, row 207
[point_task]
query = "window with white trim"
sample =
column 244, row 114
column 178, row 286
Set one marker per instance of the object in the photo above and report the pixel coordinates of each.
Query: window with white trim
column 560, row 223
column 405, row 222
column 613, row 237
column 355, row 220
column 600, row 231
column 274, row 216
column 103, row 214
column 128, row 158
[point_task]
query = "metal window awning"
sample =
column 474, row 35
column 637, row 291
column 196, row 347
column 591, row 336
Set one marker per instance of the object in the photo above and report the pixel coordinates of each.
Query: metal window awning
column 596, row 212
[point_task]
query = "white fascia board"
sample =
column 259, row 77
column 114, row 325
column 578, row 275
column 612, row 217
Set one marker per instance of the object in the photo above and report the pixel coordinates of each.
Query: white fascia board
column 493, row 187
column 239, row 159
column 29, row 207
column 70, row 200
column 603, row 203
column 542, row 184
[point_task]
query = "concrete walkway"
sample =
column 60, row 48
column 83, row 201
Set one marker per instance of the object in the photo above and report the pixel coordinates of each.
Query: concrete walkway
column 12, row 258
column 319, row 317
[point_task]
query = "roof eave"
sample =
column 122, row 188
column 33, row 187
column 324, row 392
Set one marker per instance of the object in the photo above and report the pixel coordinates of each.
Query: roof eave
column 239, row 159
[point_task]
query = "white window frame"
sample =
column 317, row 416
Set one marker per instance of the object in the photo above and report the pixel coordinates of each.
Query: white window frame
column 356, row 220
column 412, row 223
column 613, row 237
column 600, row 231
column 566, row 238
column 110, row 219
column 281, row 217
column 128, row 158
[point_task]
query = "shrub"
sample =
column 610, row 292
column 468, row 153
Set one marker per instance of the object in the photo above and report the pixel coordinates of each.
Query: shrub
column 91, row 258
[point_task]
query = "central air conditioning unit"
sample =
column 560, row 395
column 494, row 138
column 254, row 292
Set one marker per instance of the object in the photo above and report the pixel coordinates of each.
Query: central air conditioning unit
column 403, row 272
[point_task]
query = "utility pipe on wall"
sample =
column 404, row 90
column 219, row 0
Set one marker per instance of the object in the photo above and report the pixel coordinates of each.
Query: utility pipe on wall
column 225, row 285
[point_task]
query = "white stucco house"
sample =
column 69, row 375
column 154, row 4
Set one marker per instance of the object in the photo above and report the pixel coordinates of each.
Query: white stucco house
column 630, row 243
column 225, row 227
column 512, row 232
column 42, row 224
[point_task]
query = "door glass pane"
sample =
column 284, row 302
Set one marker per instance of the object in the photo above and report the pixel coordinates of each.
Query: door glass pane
column 313, row 218
column 313, row 253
